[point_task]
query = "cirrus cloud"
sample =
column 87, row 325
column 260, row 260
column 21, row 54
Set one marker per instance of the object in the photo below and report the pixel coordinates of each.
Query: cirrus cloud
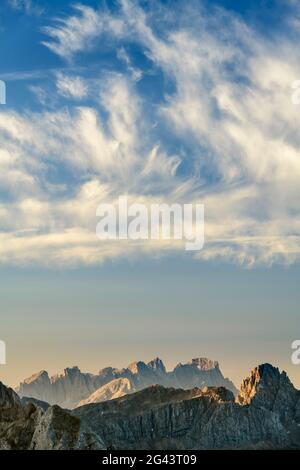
column 229, row 110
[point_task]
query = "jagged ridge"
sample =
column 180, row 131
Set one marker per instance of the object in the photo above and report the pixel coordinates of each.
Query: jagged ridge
column 265, row 415
column 75, row 388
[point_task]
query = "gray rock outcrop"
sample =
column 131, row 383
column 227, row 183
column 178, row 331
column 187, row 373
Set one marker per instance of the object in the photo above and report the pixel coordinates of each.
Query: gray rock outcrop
column 58, row 430
column 27, row 426
column 265, row 415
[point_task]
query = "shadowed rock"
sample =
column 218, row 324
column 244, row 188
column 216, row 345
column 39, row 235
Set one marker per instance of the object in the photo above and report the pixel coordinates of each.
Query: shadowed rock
column 26, row 426
column 265, row 415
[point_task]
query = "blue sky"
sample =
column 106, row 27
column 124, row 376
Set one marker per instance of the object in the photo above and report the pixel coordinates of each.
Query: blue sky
column 165, row 101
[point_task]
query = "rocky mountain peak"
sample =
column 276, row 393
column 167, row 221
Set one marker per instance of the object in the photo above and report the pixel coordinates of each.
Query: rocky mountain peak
column 72, row 371
column 34, row 384
column 10, row 406
column 269, row 388
column 8, row 398
column 203, row 363
column 40, row 377
column 107, row 371
column 136, row 367
column 253, row 386
column 157, row 365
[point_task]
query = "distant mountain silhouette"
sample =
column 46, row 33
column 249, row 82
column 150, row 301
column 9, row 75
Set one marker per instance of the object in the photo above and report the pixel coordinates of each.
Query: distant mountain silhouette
column 74, row 387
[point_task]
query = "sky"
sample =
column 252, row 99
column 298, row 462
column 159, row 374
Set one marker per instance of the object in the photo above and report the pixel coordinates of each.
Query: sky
column 165, row 101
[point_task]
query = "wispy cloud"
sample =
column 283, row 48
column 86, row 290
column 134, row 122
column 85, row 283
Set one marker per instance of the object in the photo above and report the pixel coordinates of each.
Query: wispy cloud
column 24, row 75
column 71, row 86
column 78, row 32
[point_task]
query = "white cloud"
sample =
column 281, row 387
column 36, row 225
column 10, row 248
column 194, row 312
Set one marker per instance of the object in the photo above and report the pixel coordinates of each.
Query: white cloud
column 71, row 87
column 103, row 159
column 231, row 110
column 78, row 32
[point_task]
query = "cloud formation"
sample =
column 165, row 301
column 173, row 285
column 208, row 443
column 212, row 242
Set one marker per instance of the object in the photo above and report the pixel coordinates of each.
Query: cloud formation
column 229, row 109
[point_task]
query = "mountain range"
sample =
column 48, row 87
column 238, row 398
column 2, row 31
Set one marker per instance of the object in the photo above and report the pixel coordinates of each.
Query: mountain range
column 74, row 388
column 264, row 415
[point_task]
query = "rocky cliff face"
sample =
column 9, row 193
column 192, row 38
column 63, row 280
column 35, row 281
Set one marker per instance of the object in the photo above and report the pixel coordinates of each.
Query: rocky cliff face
column 72, row 387
column 265, row 415
column 17, row 422
column 59, row 430
column 269, row 388
column 27, row 426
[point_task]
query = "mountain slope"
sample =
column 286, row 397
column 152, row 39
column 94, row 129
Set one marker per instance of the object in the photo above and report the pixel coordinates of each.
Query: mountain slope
column 114, row 389
column 159, row 418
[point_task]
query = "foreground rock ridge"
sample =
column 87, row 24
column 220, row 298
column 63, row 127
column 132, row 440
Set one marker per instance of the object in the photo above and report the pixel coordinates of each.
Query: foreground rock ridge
column 25, row 426
column 74, row 388
column 265, row 415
